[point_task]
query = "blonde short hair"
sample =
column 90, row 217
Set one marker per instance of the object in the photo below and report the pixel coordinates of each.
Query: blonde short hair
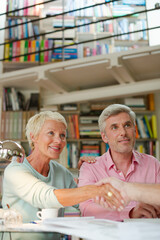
column 36, row 122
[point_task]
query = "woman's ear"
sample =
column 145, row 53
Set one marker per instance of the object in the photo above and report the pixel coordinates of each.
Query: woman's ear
column 32, row 137
column 104, row 137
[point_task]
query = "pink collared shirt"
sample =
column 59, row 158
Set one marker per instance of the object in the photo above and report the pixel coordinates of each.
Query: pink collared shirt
column 144, row 169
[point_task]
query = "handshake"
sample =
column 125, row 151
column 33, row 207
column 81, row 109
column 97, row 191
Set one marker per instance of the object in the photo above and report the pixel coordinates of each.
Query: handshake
column 114, row 194
column 118, row 193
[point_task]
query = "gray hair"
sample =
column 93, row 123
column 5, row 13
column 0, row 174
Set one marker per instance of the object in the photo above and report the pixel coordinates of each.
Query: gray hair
column 114, row 109
column 36, row 122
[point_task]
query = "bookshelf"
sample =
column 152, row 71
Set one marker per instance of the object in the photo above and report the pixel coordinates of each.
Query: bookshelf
column 106, row 22
column 22, row 36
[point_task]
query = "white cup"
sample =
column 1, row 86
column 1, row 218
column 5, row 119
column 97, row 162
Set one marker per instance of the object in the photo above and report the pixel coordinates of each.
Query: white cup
column 47, row 213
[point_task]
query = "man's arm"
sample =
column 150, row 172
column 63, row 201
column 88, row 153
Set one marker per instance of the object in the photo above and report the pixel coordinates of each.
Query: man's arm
column 146, row 193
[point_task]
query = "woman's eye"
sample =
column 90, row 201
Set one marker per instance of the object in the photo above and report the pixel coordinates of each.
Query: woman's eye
column 51, row 133
column 62, row 136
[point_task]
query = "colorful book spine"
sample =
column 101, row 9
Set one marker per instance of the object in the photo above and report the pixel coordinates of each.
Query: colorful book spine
column 42, row 53
column 46, row 46
column 33, row 49
column 25, row 50
column 29, row 50
column 148, row 126
column 10, row 51
column 151, row 104
column 18, row 51
column 22, row 44
column 154, row 126
column 6, row 52
column 37, row 50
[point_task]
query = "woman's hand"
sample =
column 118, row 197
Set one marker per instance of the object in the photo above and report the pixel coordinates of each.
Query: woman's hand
column 86, row 159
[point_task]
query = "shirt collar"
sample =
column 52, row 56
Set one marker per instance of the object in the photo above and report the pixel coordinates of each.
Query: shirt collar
column 135, row 158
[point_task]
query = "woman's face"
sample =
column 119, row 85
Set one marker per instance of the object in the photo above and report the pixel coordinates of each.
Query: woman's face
column 51, row 139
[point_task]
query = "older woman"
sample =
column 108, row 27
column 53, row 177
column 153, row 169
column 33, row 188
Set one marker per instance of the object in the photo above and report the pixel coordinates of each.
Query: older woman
column 41, row 182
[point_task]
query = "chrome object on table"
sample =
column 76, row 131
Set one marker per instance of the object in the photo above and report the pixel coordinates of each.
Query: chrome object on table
column 11, row 151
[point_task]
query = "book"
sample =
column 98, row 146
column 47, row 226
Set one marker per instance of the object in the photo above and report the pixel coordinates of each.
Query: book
column 29, row 50
column 18, row 52
column 10, row 51
column 151, row 104
column 141, row 127
column 46, row 53
column 26, row 48
column 6, row 51
column 154, row 125
column 22, row 46
column 42, row 48
column 3, row 122
column 37, row 55
column 148, row 126
column 138, row 103
column 33, row 49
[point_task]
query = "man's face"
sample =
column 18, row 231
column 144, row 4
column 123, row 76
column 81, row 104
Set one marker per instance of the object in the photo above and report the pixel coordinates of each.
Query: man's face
column 120, row 133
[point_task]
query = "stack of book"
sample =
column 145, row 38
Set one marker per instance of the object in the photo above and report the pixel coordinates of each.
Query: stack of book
column 29, row 46
column 19, row 4
column 89, row 126
column 90, row 148
column 70, row 52
column 135, row 103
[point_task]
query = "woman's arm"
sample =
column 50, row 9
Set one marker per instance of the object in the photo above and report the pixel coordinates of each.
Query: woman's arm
column 69, row 197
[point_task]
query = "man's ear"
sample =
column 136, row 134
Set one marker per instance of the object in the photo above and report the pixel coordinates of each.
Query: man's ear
column 104, row 138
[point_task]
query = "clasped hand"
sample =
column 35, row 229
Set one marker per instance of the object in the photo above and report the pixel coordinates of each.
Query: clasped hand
column 114, row 197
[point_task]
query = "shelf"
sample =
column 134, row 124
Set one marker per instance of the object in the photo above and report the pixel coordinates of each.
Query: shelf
column 19, row 17
column 130, row 43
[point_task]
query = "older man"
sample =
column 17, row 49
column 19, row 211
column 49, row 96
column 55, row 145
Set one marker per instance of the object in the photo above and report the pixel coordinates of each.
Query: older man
column 117, row 127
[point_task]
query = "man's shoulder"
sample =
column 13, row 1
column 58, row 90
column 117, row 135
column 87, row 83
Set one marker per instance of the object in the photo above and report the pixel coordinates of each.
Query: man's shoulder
column 146, row 158
column 100, row 160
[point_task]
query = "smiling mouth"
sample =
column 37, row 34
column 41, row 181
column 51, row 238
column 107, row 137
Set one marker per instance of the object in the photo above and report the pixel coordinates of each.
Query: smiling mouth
column 55, row 148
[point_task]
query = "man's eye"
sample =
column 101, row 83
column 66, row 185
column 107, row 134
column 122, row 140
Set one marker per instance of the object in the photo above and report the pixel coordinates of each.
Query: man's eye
column 114, row 127
column 128, row 125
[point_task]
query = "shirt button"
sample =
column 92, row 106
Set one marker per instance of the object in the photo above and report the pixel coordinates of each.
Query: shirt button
column 121, row 174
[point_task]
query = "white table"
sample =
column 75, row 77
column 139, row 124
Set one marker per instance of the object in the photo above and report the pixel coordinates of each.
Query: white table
column 94, row 229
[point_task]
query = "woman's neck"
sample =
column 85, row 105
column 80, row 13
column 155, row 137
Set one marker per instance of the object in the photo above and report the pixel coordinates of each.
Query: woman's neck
column 39, row 163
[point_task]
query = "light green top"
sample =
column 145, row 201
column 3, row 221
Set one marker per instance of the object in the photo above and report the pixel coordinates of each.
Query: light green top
column 27, row 191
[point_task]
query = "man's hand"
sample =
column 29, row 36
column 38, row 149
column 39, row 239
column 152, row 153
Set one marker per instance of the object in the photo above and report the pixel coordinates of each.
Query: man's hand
column 86, row 159
column 143, row 210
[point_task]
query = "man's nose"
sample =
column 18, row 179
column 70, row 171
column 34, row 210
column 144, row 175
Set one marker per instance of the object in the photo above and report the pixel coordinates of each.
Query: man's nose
column 122, row 130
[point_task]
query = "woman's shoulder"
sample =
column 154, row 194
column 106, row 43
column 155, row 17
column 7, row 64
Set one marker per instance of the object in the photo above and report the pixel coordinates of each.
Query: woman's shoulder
column 14, row 167
column 58, row 167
